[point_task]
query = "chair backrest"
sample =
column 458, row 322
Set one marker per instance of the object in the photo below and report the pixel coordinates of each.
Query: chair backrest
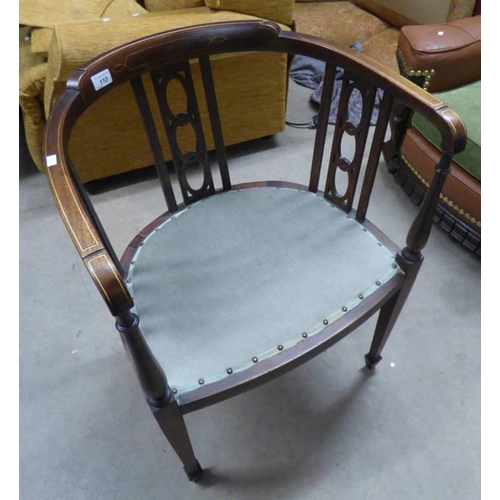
column 164, row 58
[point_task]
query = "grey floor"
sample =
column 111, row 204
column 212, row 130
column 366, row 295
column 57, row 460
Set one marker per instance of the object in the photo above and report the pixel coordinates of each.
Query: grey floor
column 329, row 430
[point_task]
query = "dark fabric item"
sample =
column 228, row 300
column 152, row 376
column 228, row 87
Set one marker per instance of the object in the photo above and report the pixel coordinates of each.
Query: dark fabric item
column 310, row 72
column 307, row 72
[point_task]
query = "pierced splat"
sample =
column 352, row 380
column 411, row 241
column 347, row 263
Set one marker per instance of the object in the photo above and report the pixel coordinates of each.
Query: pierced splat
column 174, row 121
column 351, row 87
column 188, row 116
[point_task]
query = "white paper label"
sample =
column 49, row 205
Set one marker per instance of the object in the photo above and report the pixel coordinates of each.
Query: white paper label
column 51, row 160
column 101, row 79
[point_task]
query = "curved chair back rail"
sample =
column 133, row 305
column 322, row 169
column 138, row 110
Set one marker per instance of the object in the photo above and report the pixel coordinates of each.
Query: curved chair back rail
column 136, row 58
column 390, row 272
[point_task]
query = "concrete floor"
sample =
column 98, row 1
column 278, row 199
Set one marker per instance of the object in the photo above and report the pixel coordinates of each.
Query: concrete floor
column 329, row 430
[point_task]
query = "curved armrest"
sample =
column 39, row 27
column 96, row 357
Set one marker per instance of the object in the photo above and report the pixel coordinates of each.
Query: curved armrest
column 81, row 222
column 441, row 56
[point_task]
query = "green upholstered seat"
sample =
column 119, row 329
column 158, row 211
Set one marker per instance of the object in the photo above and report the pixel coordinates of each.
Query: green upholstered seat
column 234, row 276
column 466, row 101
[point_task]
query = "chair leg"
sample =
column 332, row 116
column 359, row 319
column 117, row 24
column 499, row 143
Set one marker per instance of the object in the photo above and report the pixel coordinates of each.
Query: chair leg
column 157, row 392
column 171, row 422
column 388, row 316
column 386, row 320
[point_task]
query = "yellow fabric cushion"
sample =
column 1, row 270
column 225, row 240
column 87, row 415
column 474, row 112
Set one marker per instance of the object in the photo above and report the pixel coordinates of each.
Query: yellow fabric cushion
column 31, row 85
column 40, row 40
column 460, row 9
column 382, row 48
column 27, row 58
column 122, row 7
column 45, row 13
column 159, row 5
column 340, row 22
column 280, row 11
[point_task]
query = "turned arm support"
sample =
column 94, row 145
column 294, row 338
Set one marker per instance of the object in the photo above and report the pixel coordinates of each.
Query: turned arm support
column 97, row 254
column 454, row 137
column 94, row 249
column 436, row 57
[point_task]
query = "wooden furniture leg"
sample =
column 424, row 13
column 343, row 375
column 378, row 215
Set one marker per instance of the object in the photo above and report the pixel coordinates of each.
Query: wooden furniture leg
column 389, row 314
column 171, row 422
column 158, row 393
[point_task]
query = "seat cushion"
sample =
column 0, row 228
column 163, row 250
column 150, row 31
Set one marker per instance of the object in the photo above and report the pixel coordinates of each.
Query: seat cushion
column 466, row 101
column 234, row 276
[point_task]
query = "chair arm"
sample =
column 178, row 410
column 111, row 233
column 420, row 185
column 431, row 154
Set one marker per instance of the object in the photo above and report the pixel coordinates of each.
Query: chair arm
column 441, row 56
column 80, row 219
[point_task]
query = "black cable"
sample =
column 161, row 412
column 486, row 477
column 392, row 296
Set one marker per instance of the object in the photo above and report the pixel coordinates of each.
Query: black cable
column 298, row 125
column 310, row 125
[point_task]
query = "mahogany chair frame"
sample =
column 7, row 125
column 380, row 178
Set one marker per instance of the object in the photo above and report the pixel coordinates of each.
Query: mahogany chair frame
column 164, row 57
